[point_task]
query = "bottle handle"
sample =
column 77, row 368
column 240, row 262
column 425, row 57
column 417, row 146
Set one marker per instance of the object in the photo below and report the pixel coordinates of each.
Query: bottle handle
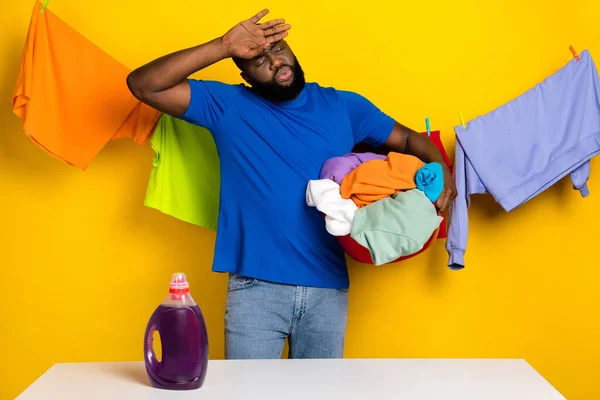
column 150, row 355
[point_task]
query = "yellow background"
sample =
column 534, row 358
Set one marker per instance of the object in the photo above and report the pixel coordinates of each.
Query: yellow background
column 84, row 263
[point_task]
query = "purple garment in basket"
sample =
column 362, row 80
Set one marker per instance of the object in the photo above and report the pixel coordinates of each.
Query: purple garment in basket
column 522, row 148
column 338, row 167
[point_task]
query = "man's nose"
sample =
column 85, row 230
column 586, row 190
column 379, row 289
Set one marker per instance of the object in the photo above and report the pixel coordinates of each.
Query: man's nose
column 276, row 62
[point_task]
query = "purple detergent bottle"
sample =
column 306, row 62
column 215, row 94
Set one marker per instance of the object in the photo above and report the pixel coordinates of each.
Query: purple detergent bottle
column 183, row 337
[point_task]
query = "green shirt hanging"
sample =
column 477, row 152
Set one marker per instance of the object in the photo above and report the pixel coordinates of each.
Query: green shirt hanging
column 185, row 177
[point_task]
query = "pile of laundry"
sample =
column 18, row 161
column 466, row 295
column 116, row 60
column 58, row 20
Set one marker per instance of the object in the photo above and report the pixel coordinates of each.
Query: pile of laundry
column 385, row 203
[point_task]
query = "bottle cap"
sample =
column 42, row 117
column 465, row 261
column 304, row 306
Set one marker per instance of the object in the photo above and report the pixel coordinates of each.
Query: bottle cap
column 179, row 284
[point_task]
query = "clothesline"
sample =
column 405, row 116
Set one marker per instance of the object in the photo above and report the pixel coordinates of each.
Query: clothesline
column 593, row 41
column 56, row 131
column 462, row 119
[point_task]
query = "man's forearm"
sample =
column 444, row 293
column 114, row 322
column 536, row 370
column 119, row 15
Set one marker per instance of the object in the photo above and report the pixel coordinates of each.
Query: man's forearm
column 170, row 70
column 407, row 141
column 421, row 147
column 410, row 142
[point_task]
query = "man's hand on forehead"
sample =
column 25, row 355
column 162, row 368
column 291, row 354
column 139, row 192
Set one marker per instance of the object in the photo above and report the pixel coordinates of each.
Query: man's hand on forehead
column 250, row 38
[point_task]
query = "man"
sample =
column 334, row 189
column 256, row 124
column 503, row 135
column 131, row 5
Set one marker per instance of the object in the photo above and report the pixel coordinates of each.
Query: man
column 288, row 276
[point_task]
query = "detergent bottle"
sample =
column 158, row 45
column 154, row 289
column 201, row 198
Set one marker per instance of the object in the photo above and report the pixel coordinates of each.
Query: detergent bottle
column 183, row 337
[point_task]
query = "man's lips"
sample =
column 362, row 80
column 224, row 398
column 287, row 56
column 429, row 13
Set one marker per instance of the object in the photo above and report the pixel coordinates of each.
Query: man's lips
column 284, row 74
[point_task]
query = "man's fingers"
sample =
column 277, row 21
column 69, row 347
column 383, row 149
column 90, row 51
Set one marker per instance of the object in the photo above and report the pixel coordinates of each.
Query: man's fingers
column 446, row 198
column 443, row 200
column 277, row 37
column 276, row 30
column 259, row 16
column 270, row 24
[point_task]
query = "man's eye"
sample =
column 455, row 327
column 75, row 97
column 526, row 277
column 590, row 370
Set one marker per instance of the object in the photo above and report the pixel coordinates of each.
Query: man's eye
column 259, row 62
column 278, row 49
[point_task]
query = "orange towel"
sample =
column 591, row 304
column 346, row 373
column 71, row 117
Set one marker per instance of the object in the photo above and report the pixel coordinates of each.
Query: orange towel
column 376, row 179
column 71, row 97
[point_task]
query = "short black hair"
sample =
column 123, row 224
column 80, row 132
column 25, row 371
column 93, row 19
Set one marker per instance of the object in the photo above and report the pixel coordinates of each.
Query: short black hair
column 239, row 62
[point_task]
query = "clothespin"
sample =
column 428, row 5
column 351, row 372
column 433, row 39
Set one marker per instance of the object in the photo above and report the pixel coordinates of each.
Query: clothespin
column 427, row 126
column 462, row 120
column 44, row 6
column 574, row 53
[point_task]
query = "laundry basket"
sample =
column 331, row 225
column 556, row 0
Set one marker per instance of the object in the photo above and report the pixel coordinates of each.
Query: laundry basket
column 361, row 254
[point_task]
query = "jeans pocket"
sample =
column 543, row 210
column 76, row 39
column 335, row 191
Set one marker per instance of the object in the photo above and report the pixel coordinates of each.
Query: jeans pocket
column 238, row 283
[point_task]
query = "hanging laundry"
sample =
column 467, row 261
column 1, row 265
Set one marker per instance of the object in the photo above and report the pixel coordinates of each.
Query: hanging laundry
column 185, row 178
column 377, row 179
column 430, row 180
column 395, row 226
column 324, row 194
column 71, row 97
column 522, row 148
column 337, row 168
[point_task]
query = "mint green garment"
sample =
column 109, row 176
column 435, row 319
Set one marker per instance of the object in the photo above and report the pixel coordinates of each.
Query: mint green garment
column 185, row 177
column 395, row 226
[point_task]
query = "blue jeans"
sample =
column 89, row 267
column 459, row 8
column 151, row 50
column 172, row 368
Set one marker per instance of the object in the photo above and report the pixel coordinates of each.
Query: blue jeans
column 261, row 315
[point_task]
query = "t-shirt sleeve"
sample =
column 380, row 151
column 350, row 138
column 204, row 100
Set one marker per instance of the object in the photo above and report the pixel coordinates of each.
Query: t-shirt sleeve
column 209, row 101
column 369, row 124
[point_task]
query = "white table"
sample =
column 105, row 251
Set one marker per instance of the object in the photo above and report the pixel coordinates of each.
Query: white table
column 347, row 379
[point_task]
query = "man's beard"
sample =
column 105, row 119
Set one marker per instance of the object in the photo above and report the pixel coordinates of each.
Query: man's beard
column 277, row 93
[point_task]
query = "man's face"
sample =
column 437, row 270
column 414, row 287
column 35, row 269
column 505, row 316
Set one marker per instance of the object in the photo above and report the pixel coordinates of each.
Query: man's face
column 275, row 74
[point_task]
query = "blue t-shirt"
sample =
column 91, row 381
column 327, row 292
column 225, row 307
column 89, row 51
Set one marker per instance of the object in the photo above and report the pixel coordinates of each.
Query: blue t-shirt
column 268, row 152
